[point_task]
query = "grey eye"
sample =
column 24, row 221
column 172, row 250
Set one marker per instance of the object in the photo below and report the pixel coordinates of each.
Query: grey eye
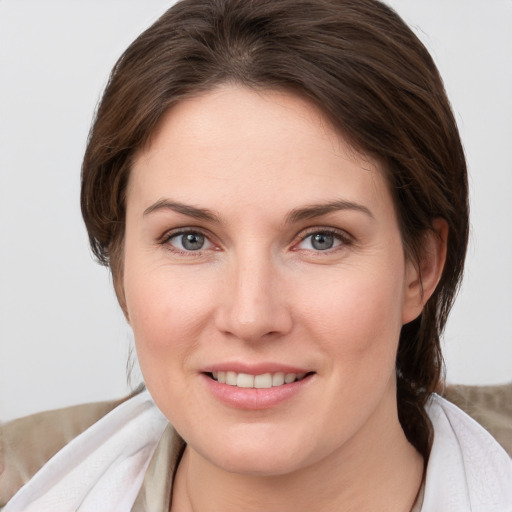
column 192, row 241
column 322, row 241
column 189, row 241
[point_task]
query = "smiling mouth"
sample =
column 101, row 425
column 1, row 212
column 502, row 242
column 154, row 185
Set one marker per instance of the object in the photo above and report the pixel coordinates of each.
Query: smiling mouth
column 263, row 381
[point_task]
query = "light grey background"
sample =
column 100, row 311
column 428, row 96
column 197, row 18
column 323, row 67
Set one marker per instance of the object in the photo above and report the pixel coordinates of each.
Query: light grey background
column 62, row 337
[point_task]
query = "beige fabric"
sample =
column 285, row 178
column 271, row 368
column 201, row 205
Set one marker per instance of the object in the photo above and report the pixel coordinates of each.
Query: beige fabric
column 491, row 406
column 26, row 444
column 155, row 491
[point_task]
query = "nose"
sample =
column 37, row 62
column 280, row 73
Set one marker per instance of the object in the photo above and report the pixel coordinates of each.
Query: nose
column 254, row 305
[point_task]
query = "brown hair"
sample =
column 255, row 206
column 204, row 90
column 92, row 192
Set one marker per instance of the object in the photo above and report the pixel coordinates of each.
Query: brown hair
column 361, row 64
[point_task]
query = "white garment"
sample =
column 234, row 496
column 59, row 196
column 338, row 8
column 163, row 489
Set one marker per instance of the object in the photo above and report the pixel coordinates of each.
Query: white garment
column 468, row 471
column 102, row 469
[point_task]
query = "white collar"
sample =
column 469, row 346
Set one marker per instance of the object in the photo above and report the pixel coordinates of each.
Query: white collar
column 468, row 471
column 100, row 470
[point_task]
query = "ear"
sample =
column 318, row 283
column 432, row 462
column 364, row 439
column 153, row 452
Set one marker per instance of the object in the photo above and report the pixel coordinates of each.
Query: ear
column 422, row 277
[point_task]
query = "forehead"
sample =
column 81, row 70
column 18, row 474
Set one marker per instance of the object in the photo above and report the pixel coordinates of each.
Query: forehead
column 247, row 144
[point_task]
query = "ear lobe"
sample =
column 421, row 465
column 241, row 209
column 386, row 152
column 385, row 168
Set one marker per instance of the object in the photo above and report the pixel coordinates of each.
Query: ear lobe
column 422, row 277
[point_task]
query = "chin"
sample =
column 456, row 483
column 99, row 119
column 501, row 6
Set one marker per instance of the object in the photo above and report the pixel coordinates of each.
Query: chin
column 256, row 463
column 262, row 452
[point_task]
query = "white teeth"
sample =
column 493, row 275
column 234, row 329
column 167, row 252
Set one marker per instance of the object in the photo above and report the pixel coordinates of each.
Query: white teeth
column 263, row 381
column 244, row 380
column 231, row 378
column 278, row 379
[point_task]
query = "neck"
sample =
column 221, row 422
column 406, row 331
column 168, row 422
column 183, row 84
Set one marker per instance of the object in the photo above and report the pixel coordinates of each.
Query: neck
column 371, row 472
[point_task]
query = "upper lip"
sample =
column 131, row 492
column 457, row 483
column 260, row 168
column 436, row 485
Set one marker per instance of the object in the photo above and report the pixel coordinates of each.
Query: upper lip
column 254, row 368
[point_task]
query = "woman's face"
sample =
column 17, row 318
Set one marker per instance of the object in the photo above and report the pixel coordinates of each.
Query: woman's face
column 261, row 248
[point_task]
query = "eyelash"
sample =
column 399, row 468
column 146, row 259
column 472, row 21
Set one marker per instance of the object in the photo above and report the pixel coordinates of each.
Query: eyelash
column 166, row 239
column 341, row 236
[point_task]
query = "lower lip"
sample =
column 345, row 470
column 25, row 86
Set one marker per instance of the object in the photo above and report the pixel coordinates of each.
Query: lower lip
column 253, row 398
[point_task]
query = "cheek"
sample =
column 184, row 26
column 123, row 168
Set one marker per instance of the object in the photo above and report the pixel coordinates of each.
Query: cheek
column 357, row 317
column 167, row 312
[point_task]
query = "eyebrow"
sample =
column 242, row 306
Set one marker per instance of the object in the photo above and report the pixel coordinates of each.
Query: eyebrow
column 184, row 209
column 296, row 215
column 317, row 210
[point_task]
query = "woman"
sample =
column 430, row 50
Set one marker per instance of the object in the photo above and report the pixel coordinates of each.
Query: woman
column 280, row 192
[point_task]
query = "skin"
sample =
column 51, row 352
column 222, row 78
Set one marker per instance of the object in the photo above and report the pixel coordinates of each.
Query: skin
column 260, row 292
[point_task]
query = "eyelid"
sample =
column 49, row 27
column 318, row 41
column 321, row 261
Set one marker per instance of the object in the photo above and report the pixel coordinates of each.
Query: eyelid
column 175, row 232
column 339, row 234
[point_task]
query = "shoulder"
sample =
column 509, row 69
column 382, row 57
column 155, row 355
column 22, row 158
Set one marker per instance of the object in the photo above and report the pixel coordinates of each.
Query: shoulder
column 467, row 469
column 491, row 406
column 101, row 467
column 27, row 443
